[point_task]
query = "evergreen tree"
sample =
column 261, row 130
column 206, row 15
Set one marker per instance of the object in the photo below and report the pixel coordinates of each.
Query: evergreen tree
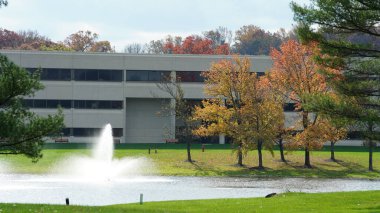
column 358, row 88
column 22, row 131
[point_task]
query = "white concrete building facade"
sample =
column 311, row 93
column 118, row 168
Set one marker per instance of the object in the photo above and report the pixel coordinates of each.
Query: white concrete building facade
column 121, row 89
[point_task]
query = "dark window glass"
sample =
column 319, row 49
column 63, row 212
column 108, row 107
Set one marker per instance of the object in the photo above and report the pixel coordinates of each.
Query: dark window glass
column 116, row 105
column 56, row 74
column 92, row 104
column 28, row 103
column 65, row 132
column 105, row 104
column 187, row 76
column 98, row 75
column 52, row 103
column 51, row 74
column 117, row 75
column 136, row 75
column 65, row 74
column 79, row 104
column 117, row 132
column 92, row 75
column 289, row 107
column 154, row 76
column 80, row 75
column 105, row 75
column 355, row 135
column 39, row 103
column 86, row 132
column 66, row 104
column 258, row 74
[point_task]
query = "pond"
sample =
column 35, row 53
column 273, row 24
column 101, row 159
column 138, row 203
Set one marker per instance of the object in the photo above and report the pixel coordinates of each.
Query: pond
column 54, row 189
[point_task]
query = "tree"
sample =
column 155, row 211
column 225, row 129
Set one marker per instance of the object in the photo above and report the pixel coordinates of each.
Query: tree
column 252, row 40
column 22, row 131
column 337, row 23
column 101, row 46
column 219, row 36
column 295, row 75
column 240, row 107
column 86, row 41
column 134, row 49
column 181, row 109
column 3, row 3
column 9, row 39
column 155, row 47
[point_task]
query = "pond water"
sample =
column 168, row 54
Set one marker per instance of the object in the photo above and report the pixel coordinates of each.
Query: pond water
column 54, row 189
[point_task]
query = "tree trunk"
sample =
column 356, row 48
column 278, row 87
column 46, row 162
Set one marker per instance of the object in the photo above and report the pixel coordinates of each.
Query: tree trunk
column 259, row 148
column 307, row 158
column 281, row 145
column 305, row 122
column 332, row 147
column 370, row 166
column 188, row 150
column 240, row 156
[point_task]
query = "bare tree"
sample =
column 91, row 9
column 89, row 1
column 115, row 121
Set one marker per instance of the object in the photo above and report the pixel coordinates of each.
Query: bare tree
column 134, row 48
column 181, row 109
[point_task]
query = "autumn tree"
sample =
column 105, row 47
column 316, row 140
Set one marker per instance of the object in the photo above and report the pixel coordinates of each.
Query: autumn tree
column 252, row 40
column 194, row 44
column 337, row 27
column 221, row 36
column 87, row 41
column 241, row 106
column 295, row 75
column 101, row 46
column 22, row 131
column 181, row 108
column 9, row 39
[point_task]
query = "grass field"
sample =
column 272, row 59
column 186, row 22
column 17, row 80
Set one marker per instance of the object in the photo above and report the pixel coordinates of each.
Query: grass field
column 367, row 201
column 217, row 160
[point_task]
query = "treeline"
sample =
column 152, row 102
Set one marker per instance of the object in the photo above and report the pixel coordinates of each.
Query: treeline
column 248, row 40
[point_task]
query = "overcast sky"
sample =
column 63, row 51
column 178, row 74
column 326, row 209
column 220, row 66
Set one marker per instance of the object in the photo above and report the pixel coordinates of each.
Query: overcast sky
column 124, row 22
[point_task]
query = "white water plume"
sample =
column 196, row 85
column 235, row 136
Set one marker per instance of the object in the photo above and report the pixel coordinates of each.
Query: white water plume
column 101, row 165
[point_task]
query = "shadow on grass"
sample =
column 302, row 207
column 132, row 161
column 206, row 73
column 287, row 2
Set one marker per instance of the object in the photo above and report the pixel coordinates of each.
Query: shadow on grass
column 347, row 170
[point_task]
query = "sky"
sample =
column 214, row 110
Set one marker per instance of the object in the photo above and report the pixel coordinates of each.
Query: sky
column 124, row 22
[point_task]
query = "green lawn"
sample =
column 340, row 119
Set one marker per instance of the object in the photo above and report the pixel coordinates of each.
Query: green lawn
column 367, row 201
column 217, row 161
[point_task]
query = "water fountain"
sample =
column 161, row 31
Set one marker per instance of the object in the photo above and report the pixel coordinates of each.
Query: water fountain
column 101, row 165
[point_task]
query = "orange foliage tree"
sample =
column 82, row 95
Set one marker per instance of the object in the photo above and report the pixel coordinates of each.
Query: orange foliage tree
column 194, row 45
column 241, row 107
column 295, row 75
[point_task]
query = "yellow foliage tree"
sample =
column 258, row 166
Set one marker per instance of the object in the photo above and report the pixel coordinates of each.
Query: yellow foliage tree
column 242, row 107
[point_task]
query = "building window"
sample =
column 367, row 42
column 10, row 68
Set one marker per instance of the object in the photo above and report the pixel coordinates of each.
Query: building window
column 53, row 74
column 98, row 75
column 95, row 132
column 94, row 104
column 77, row 104
column 50, row 104
column 147, row 75
column 289, row 107
column 187, row 76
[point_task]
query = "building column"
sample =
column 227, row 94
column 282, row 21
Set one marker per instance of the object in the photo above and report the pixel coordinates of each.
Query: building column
column 172, row 108
column 222, row 139
column 172, row 118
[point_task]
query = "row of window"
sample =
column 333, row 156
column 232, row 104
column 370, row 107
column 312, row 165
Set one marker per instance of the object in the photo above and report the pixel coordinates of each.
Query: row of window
column 89, row 132
column 95, row 104
column 53, row 74
column 76, row 104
